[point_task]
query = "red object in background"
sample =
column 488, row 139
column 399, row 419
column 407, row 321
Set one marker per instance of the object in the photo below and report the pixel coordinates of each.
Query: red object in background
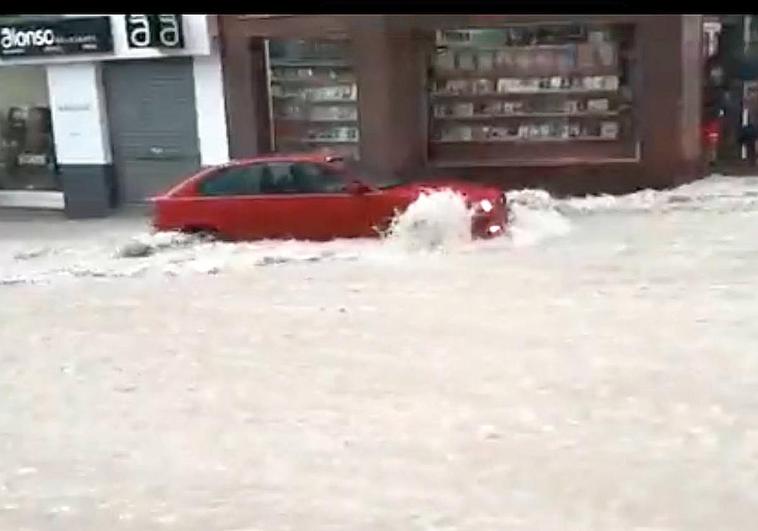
column 352, row 207
column 712, row 132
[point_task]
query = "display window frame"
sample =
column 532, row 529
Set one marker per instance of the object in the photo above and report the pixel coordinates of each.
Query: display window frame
column 508, row 95
column 28, row 159
column 313, row 95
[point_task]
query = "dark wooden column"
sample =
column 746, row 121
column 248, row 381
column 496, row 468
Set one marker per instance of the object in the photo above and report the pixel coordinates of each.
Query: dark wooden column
column 243, row 61
column 390, row 66
column 670, row 100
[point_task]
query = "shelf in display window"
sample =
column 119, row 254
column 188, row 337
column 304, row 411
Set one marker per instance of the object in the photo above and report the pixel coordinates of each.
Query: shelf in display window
column 557, row 114
column 318, row 141
column 529, row 140
column 313, row 102
column 446, row 73
column 315, row 80
column 309, row 64
column 578, row 90
column 466, row 46
column 317, row 120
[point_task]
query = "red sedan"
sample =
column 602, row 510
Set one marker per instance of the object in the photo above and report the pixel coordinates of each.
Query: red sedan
column 308, row 197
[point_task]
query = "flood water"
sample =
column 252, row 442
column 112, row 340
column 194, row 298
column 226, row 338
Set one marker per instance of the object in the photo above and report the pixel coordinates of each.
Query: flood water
column 595, row 369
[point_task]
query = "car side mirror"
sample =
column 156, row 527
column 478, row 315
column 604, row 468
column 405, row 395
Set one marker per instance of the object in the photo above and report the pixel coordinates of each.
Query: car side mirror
column 357, row 188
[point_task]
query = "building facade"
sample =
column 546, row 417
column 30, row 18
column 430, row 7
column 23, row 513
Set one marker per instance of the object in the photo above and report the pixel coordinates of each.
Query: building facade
column 573, row 104
column 102, row 110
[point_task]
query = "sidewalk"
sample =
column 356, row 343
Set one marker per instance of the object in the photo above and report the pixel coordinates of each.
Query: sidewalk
column 25, row 225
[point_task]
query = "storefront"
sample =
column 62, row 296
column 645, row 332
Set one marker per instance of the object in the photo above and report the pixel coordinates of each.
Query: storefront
column 29, row 171
column 105, row 110
column 572, row 104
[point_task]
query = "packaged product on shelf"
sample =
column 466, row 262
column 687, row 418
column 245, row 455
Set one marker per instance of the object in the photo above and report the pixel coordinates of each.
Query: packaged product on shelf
column 532, row 84
column 509, row 107
column 597, row 36
column 458, row 86
column 593, row 82
column 523, row 131
column 591, row 129
column 524, row 60
column 444, row 60
column 463, row 109
column 571, row 106
column 466, row 61
column 609, row 83
column 304, row 72
column 486, row 60
column 292, row 110
column 479, row 133
column 535, row 131
column 504, row 59
column 545, row 130
column 597, row 105
column 497, row 133
column 566, row 59
column 585, row 56
column 489, row 108
column 609, row 130
column 506, row 84
column 440, row 111
column 347, row 112
column 563, row 131
column 606, row 52
column 556, row 82
column 482, row 86
column 575, row 130
column 460, row 133
column 543, row 60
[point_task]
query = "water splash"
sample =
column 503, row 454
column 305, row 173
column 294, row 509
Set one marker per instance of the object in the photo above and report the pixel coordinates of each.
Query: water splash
column 438, row 220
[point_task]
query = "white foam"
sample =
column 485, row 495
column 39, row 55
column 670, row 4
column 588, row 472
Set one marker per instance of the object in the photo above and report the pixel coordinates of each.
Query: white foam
column 439, row 220
column 438, row 223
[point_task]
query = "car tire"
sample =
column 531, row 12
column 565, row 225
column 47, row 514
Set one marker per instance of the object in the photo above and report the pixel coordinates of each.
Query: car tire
column 204, row 233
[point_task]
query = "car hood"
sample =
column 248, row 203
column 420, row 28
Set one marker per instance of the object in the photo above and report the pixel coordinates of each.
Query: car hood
column 466, row 188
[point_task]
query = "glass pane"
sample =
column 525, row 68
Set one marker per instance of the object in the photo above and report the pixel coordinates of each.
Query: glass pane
column 314, row 96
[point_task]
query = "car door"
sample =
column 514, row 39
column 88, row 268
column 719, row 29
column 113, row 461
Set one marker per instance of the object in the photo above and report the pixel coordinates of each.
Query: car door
column 231, row 201
column 311, row 201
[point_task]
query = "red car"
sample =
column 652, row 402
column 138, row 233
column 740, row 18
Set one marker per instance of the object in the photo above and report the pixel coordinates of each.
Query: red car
column 309, row 197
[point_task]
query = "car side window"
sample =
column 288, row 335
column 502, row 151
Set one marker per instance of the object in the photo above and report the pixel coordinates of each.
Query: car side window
column 277, row 179
column 299, row 178
column 314, row 179
column 236, row 180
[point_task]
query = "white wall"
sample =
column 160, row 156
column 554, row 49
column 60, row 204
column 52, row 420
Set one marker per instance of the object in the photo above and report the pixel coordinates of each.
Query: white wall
column 197, row 34
column 211, row 109
column 77, row 102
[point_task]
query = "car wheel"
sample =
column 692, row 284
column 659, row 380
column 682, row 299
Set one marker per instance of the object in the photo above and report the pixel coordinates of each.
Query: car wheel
column 203, row 233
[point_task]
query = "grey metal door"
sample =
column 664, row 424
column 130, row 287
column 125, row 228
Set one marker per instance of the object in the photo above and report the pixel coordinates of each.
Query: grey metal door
column 151, row 111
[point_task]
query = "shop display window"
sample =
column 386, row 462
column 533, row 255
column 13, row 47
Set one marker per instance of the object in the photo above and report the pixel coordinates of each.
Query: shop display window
column 314, row 96
column 532, row 91
column 27, row 154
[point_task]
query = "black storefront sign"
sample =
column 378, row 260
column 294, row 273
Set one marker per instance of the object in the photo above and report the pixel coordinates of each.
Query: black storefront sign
column 56, row 37
column 154, row 31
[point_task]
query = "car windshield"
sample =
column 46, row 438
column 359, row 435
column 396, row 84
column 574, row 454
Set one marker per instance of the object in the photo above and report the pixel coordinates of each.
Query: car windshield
column 376, row 179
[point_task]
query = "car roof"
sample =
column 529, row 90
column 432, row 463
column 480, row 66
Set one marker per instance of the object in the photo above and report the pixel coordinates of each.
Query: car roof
column 290, row 157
